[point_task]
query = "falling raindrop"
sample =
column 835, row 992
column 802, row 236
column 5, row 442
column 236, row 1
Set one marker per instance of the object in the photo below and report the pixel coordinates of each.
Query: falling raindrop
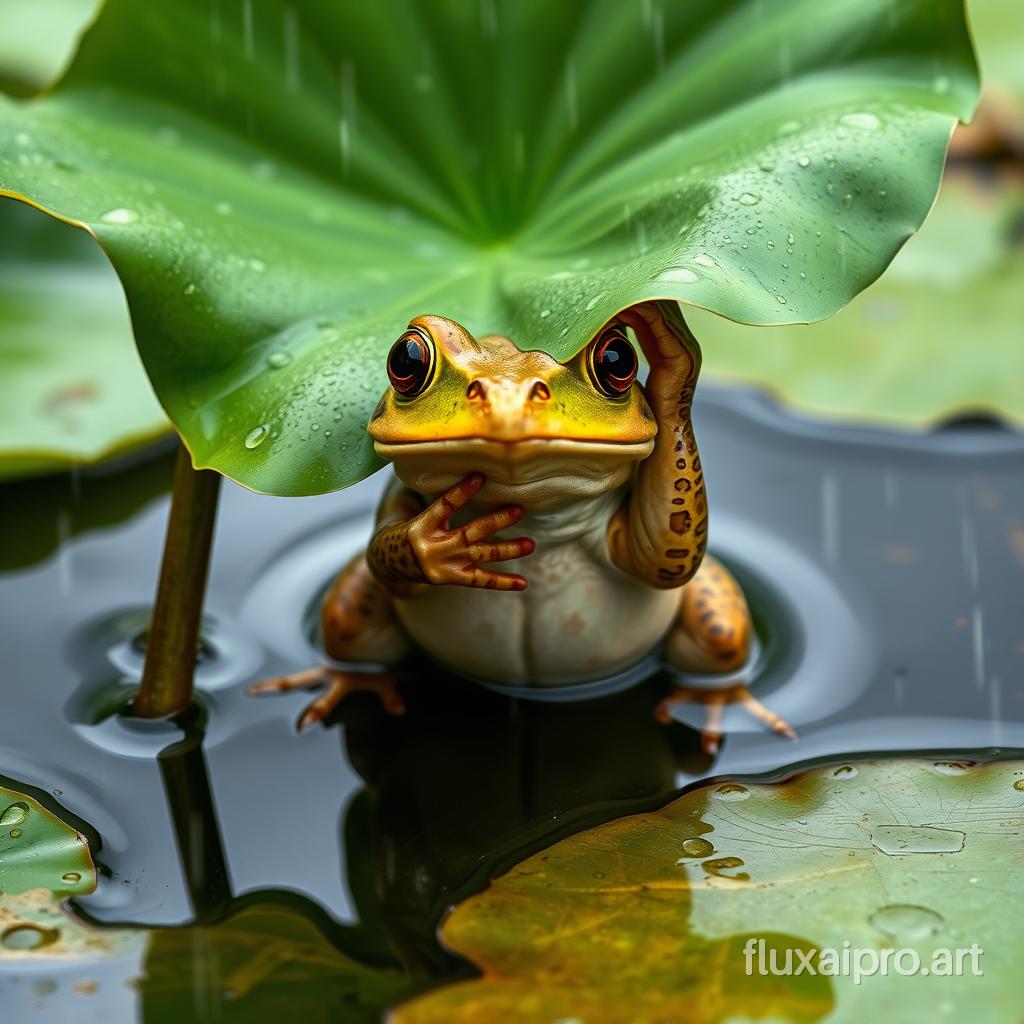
column 256, row 436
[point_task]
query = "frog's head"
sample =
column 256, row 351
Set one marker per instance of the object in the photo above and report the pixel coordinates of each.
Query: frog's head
column 539, row 430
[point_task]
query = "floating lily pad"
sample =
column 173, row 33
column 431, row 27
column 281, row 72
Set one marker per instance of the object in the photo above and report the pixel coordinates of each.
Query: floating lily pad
column 271, row 964
column 72, row 388
column 38, row 850
column 646, row 919
column 937, row 335
column 34, row 925
column 280, row 186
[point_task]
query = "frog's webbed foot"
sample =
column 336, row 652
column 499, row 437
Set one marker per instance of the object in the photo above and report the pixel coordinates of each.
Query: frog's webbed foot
column 338, row 683
column 716, row 700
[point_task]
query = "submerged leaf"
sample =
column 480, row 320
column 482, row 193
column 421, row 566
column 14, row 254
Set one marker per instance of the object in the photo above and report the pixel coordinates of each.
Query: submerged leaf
column 281, row 186
column 72, row 389
column 38, row 850
column 270, row 963
column 646, row 919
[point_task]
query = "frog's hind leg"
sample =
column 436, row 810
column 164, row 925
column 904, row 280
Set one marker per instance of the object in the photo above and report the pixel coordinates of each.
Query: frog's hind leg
column 713, row 632
column 712, row 636
column 359, row 625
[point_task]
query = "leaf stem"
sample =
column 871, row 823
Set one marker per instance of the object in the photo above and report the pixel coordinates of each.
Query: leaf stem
column 173, row 640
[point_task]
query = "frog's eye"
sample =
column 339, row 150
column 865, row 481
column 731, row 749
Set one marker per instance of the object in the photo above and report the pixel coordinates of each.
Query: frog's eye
column 612, row 362
column 410, row 362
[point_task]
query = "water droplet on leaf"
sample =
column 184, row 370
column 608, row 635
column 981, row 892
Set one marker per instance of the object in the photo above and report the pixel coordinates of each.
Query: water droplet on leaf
column 697, row 848
column 748, row 198
column 278, row 359
column 678, row 275
column 14, row 815
column 256, row 436
column 120, row 215
column 905, row 921
column 732, row 791
column 71, row 876
column 860, row 119
column 804, row 161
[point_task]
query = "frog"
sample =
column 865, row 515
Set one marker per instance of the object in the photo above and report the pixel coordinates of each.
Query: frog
column 544, row 526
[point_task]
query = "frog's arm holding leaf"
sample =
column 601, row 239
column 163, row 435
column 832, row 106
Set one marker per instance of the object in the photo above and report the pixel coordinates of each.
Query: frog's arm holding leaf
column 659, row 535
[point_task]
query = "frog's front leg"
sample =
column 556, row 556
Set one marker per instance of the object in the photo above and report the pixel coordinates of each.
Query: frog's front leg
column 359, row 625
column 660, row 534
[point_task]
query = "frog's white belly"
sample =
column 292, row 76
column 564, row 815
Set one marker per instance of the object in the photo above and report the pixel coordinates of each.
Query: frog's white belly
column 579, row 619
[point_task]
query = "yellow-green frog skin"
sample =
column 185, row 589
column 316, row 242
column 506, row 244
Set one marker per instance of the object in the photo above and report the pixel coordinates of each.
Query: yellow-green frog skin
column 546, row 522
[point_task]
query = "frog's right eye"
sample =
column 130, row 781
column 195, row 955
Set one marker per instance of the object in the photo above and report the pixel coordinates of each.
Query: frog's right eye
column 409, row 363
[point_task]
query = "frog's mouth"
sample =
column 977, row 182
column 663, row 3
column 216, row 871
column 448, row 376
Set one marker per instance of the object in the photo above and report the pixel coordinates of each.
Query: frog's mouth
column 516, row 470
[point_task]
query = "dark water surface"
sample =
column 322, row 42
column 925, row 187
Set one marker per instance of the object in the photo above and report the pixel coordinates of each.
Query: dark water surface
column 886, row 572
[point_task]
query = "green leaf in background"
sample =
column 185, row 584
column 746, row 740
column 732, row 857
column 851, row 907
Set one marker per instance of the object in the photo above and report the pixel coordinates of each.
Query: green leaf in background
column 938, row 335
column 38, row 850
column 37, row 40
column 72, row 388
column 646, row 918
column 280, row 186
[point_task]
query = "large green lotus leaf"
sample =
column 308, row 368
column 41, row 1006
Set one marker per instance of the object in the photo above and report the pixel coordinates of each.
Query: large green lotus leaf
column 38, row 850
column 280, row 186
column 37, row 40
column 645, row 920
column 938, row 334
column 72, row 389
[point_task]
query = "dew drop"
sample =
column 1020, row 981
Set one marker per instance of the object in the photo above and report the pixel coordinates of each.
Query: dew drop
column 278, row 359
column 23, row 139
column 860, row 119
column 71, row 876
column 905, row 921
column 256, row 436
column 678, row 275
column 545, row 313
column 848, row 199
column 28, row 936
column 703, row 260
column 845, row 771
column 804, row 161
column 790, row 239
column 14, row 815
column 781, row 299
column 697, row 848
column 732, row 791
column 767, row 165
column 120, row 215
column 190, row 288
column 748, row 198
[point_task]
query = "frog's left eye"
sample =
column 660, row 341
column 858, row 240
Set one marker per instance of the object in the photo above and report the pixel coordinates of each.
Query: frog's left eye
column 410, row 362
column 612, row 362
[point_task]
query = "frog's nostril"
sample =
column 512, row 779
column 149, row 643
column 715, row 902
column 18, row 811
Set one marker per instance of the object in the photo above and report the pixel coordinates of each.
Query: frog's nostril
column 540, row 392
column 476, row 390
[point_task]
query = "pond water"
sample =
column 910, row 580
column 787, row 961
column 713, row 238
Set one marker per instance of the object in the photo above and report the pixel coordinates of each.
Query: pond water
column 885, row 572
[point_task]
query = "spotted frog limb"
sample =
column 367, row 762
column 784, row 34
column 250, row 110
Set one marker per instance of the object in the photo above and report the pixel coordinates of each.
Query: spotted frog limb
column 545, row 524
